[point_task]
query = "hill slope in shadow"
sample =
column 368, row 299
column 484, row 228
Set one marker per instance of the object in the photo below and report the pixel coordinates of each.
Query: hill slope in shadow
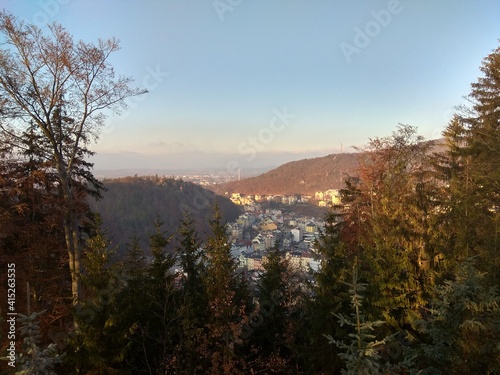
column 130, row 206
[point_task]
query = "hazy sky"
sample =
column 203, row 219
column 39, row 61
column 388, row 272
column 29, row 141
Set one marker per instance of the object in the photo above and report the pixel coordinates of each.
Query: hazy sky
column 258, row 82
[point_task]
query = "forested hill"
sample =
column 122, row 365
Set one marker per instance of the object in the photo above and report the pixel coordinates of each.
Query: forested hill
column 131, row 205
column 297, row 177
column 305, row 176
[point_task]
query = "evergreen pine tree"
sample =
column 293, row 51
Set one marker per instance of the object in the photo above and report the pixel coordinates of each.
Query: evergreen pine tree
column 459, row 213
column 35, row 359
column 461, row 330
column 193, row 299
column 99, row 345
column 273, row 329
column 330, row 295
column 362, row 355
column 158, row 330
column 482, row 122
column 133, row 304
column 392, row 209
column 227, row 297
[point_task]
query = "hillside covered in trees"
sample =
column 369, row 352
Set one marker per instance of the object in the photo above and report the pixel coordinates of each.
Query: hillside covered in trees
column 130, row 205
column 409, row 275
column 297, row 177
column 305, row 176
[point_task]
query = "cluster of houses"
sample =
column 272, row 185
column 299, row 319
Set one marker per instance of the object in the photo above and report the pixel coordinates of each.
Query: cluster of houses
column 256, row 231
column 321, row 198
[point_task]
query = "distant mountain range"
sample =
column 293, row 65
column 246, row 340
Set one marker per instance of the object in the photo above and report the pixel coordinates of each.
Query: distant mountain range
column 126, row 172
column 297, row 177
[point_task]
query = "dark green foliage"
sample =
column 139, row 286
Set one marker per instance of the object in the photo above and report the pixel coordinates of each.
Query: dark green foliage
column 393, row 209
column 272, row 330
column 127, row 315
column 482, row 148
column 100, row 343
column 159, row 320
column 330, row 295
column 35, row 359
column 468, row 172
column 462, row 326
column 131, row 204
column 127, row 318
column 191, row 259
column 457, row 216
column 227, row 303
column 193, row 300
column 362, row 354
column 131, row 305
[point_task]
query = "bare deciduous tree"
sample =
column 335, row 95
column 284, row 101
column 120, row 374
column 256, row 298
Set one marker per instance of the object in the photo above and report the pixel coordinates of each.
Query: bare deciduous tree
column 62, row 88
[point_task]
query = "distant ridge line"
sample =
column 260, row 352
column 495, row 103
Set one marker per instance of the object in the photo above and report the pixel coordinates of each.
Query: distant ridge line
column 304, row 176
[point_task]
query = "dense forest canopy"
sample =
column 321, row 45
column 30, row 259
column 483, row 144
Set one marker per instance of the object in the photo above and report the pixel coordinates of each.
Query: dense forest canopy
column 129, row 205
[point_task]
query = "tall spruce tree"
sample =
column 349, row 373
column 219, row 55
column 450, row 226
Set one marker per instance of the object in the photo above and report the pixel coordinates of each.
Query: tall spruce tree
column 227, row 297
column 459, row 213
column 468, row 173
column 100, row 344
column 482, row 122
column 393, row 211
column 193, row 303
column 330, row 296
column 158, row 325
column 133, row 305
column 274, row 327
column 460, row 332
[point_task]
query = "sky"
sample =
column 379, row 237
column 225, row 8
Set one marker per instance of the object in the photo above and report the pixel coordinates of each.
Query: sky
column 252, row 83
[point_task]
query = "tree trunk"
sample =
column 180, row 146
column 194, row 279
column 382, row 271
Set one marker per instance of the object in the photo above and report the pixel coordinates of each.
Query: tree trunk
column 71, row 230
column 74, row 254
